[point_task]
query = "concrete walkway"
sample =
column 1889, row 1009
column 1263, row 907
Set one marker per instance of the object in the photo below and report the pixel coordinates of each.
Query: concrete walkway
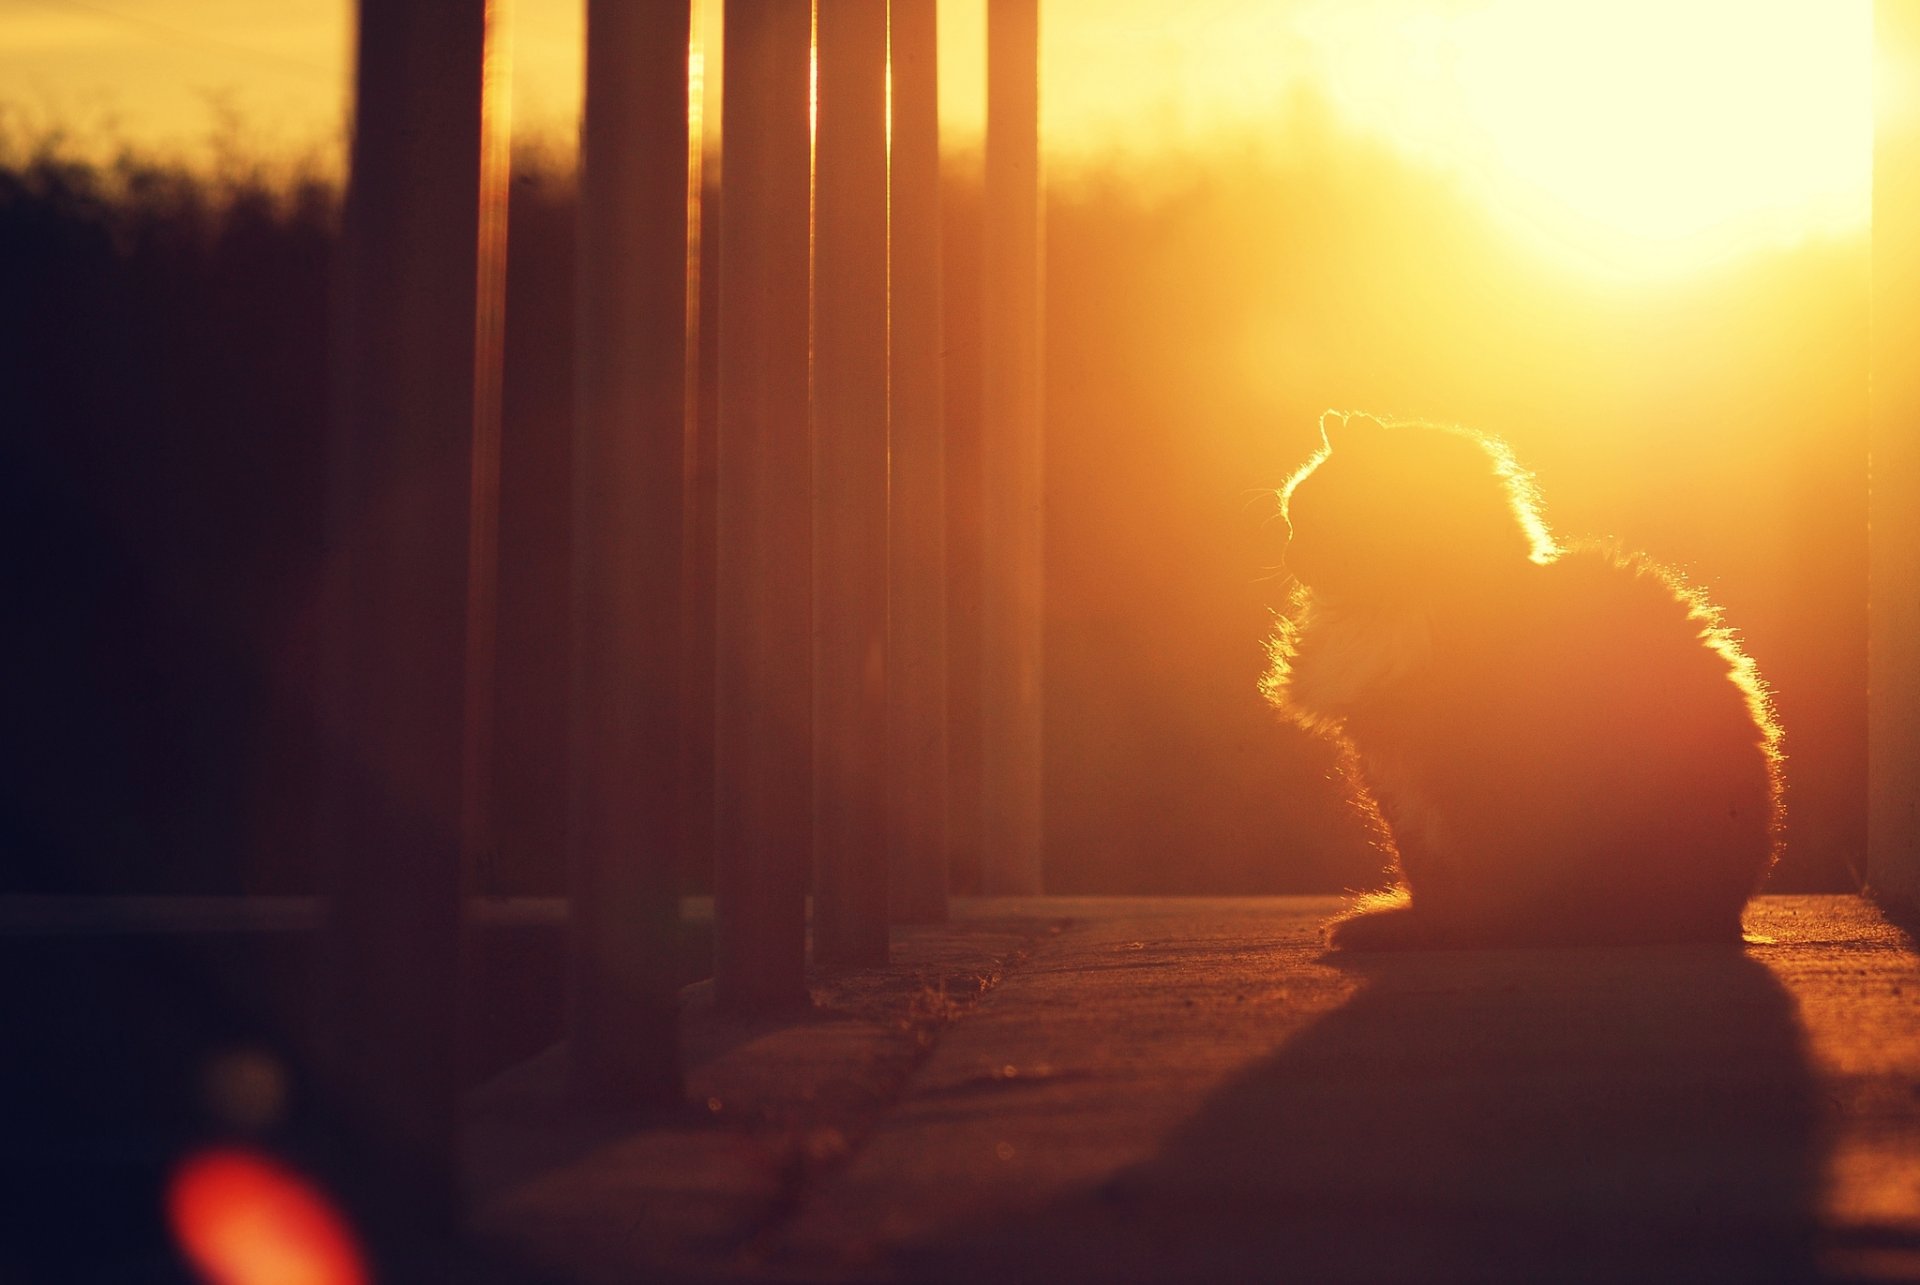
column 1142, row 1089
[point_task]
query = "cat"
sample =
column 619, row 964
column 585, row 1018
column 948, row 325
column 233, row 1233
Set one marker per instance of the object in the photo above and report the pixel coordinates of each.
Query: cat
column 1564, row 745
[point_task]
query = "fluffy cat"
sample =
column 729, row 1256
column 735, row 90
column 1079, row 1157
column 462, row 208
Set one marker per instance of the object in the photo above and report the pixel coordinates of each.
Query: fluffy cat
column 1565, row 745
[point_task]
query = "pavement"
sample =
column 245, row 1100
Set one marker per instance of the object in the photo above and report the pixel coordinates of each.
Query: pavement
column 1145, row 1089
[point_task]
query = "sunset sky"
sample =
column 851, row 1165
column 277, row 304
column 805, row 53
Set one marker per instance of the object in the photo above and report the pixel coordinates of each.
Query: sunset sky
column 1636, row 134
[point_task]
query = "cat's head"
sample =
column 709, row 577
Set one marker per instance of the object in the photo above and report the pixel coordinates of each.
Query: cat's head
column 1390, row 513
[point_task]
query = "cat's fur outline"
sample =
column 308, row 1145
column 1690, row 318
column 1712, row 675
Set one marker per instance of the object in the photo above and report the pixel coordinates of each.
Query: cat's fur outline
column 1364, row 667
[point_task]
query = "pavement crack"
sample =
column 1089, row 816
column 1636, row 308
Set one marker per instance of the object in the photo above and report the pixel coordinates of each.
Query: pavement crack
column 917, row 1000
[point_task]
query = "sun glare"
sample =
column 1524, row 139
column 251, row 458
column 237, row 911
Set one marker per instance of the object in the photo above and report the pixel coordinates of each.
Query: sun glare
column 1636, row 135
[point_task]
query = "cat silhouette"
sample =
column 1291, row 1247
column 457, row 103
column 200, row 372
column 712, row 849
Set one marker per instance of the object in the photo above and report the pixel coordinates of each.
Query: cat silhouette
column 1561, row 745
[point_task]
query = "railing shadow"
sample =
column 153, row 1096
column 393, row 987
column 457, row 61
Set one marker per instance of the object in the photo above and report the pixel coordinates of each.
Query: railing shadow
column 1474, row 1116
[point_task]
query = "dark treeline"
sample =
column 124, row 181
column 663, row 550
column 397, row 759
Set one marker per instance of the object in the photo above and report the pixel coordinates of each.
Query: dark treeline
column 163, row 406
column 163, row 392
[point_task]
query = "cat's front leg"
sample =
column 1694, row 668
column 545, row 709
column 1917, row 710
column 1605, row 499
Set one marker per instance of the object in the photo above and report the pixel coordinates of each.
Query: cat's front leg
column 1405, row 916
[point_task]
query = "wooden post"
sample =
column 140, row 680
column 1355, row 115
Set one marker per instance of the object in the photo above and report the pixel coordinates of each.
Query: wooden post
column 917, row 525
column 410, row 542
column 963, row 313
column 850, row 486
column 764, row 613
column 1893, row 680
column 1012, row 449
column 630, row 423
column 700, row 474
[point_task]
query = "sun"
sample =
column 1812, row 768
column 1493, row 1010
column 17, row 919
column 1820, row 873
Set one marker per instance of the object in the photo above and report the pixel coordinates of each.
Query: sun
column 1636, row 136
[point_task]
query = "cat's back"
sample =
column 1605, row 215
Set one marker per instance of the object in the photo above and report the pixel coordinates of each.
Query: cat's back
column 1595, row 665
column 1634, row 634
column 1628, row 681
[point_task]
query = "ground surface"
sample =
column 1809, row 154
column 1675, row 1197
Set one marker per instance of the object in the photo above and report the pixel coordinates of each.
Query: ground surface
column 1135, row 1089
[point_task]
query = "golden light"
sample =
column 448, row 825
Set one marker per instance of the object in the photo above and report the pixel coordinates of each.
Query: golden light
column 1634, row 135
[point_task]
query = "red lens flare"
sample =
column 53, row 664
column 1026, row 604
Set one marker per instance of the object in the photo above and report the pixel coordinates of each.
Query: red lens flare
column 242, row 1218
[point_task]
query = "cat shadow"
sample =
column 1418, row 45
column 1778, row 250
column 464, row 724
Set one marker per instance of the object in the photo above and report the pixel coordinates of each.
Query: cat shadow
column 1571, row 1115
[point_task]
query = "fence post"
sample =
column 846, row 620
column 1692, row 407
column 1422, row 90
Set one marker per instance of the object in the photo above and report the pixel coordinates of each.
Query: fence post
column 701, row 476
column 764, row 610
column 406, row 689
column 1012, row 517
column 850, row 486
column 630, row 422
column 917, row 522
column 1893, row 678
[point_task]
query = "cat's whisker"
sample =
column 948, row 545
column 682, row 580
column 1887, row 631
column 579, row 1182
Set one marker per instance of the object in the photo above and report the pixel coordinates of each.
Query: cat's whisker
column 1260, row 494
column 1277, row 575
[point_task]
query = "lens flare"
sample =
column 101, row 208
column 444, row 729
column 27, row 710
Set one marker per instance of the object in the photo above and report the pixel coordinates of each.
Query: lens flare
column 242, row 1218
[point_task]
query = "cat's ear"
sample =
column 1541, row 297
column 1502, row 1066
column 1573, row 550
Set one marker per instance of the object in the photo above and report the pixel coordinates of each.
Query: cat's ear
column 1337, row 426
